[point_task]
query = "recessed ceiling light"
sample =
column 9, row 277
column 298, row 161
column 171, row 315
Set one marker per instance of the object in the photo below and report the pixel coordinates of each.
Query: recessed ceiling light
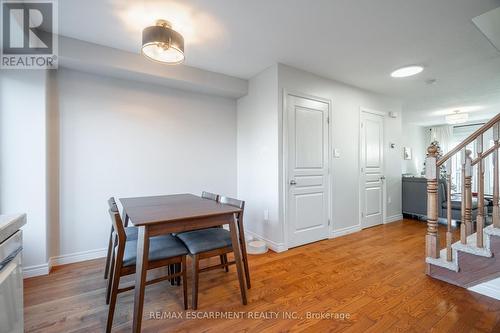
column 407, row 71
column 163, row 44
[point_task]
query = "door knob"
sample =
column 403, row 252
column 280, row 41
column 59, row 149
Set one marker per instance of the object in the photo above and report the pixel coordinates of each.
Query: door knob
column 293, row 182
column 382, row 178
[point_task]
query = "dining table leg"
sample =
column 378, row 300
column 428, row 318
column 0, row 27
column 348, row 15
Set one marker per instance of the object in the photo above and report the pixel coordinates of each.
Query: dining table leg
column 141, row 267
column 237, row 258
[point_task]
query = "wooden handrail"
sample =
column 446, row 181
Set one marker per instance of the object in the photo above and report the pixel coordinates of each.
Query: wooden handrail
column 432, row 174
column 469, row 139
column 485, row 154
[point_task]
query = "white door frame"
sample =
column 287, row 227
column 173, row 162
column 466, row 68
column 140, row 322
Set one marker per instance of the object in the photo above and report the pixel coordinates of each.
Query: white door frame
column 285, row 177
column 360, row 185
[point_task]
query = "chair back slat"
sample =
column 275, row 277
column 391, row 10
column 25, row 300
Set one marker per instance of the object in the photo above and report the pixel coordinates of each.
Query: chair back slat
column 233, row 202
column 210, row 196
column 112, row 204
column 116, row 221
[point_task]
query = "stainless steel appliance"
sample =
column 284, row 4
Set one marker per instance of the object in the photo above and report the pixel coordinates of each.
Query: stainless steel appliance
column 11, row 280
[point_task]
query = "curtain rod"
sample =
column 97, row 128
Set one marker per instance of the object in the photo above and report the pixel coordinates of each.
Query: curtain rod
column 467, row 125
column 477, row 124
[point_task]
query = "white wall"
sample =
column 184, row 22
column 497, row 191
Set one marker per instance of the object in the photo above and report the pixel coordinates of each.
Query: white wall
column 414, row 136
column 346, row 103
column 86, row 137
column 258, row 153
column 125, row 138
column 260, row 148
column 23, row 157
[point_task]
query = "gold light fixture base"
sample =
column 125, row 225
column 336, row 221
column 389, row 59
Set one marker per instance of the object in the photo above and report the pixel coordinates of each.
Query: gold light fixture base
column 164, row 23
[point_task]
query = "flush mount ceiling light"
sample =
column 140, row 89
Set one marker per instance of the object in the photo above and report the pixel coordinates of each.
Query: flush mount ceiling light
column 407, row 71
column 163, row 44
column 457, row 117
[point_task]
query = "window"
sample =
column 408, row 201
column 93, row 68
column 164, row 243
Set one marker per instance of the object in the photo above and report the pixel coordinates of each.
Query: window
column 460, row 133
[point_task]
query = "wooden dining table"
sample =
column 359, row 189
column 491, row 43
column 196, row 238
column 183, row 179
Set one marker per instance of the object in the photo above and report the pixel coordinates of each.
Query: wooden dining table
column 160, row 215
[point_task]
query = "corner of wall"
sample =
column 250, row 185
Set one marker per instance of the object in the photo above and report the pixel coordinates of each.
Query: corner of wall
column 257, row 154
column 53, row 159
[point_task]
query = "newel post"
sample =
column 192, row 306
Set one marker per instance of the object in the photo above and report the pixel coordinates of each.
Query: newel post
column 432, row 174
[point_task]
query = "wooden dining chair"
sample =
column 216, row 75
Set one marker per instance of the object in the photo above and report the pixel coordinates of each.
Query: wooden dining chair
column 212, row 242
column 209, row 196
column 164, row 251
column 241, row 232
column 216, row 197
column 131, row 233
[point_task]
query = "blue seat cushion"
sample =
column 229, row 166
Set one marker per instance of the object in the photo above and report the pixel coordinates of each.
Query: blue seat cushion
column 131, row 233
column 160, row 247
column 199, row 241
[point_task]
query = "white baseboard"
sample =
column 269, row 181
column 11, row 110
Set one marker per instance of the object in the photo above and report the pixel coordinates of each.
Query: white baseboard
column 345, row 231
column 77, row 257
column 35, row 270
column 393, row 218
column 64, row 259
column 276, row 247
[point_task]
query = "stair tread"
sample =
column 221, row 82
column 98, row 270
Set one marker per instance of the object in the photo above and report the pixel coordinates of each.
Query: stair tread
column 442, row 262
column 492, row 231
column 470, row 248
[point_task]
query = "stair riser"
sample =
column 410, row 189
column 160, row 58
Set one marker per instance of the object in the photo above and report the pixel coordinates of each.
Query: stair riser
column 473, row 269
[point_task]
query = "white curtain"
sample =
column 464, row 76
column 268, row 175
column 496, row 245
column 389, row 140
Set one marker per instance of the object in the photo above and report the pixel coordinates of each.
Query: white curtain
column 443, row 135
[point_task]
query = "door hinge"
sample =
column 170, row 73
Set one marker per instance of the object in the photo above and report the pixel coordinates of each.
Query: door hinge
column 362, row 214
column 361, row 125
column 329, row 222
column 327, row 120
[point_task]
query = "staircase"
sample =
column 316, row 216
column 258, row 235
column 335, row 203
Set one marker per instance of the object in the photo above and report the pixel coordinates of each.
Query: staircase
column 475, row 257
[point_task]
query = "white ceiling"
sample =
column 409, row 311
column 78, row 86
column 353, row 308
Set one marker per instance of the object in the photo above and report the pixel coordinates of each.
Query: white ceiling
column 358, row 42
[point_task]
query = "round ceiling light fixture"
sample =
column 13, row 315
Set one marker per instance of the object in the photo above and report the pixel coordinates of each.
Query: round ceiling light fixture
column 163, row 44
column 457, row 117
column 407, row 71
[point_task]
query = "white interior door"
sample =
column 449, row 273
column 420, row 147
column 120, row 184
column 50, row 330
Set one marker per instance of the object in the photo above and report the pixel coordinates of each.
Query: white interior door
column 308, row 178
column 372, row 169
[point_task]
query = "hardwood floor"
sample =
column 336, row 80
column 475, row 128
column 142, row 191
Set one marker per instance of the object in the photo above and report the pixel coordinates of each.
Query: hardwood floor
column 375, row 276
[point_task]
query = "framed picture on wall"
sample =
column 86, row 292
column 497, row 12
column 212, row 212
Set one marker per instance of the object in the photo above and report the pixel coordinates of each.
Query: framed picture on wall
column 407, row 153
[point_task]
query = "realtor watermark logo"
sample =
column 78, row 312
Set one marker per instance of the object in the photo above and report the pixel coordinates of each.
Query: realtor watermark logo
column 29, row 34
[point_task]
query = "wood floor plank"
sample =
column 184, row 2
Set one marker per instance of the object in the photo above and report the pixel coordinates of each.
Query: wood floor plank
column 376, row 277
